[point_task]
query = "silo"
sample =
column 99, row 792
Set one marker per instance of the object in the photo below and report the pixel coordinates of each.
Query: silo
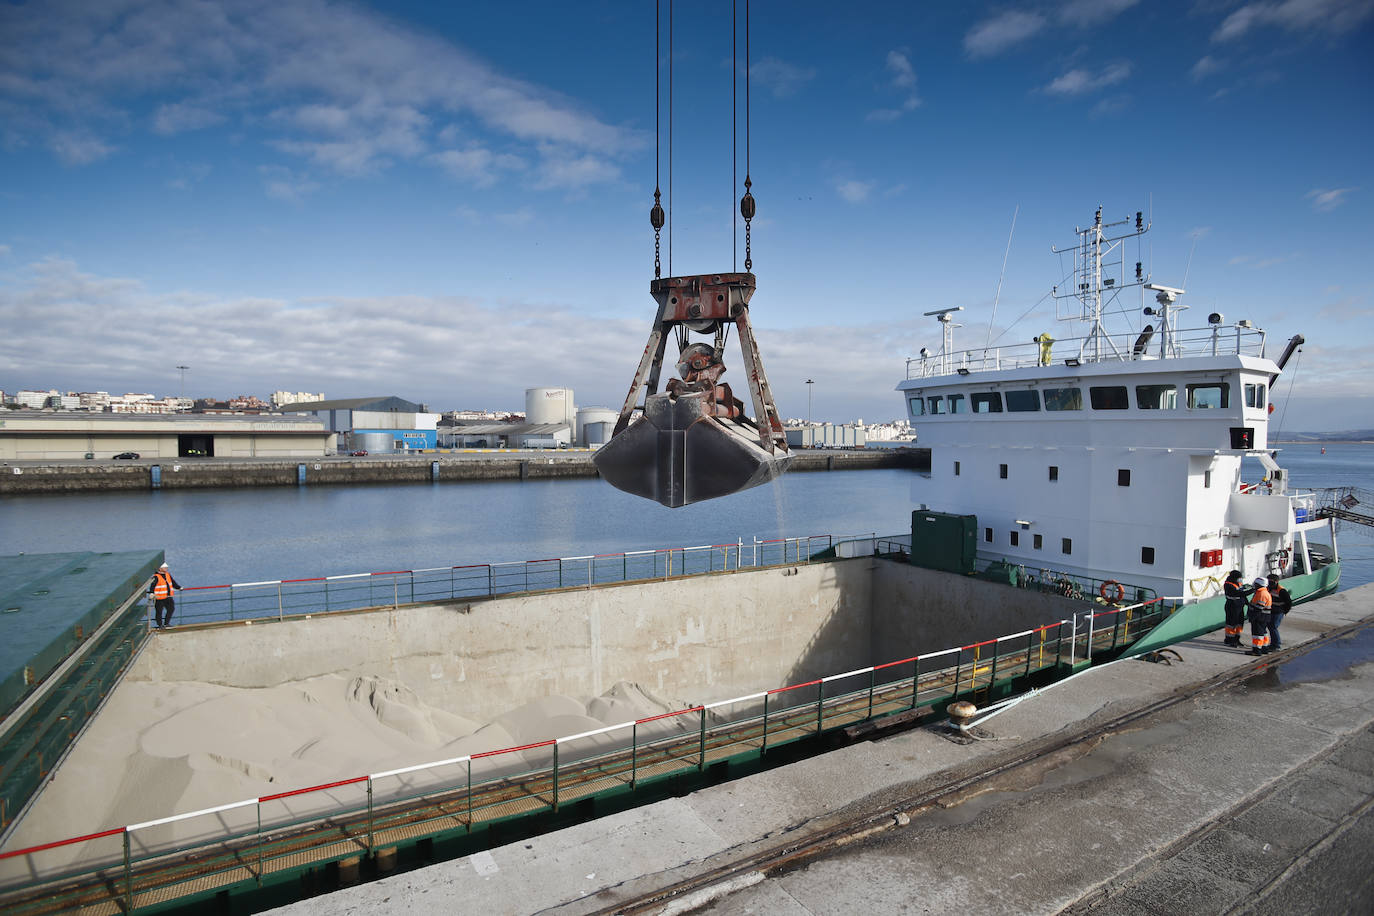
column 594, row 425
column 550, row 405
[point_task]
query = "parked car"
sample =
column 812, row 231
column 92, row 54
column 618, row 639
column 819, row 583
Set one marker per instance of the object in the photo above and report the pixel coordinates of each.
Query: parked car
column 360, row 453
column 131, row 456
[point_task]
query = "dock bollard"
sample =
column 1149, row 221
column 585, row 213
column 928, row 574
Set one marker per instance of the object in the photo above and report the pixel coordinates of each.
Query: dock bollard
column 961, row 713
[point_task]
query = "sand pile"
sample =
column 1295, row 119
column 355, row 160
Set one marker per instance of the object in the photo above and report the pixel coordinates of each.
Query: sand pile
column 159, row 749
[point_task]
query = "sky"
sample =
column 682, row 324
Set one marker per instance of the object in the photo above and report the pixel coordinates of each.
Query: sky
column 449, row 202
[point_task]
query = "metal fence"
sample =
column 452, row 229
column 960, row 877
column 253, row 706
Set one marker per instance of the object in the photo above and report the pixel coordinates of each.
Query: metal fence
column 280, row 598
column 147, row 863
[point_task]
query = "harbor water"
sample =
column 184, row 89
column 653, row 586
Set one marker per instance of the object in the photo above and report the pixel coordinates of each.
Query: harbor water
column 218, row 537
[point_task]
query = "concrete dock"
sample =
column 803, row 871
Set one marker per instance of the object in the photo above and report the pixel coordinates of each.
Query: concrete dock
column 1216, row 783
column 173, row 473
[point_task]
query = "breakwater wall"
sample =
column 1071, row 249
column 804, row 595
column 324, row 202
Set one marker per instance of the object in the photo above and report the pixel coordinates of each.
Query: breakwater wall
column 199, row 473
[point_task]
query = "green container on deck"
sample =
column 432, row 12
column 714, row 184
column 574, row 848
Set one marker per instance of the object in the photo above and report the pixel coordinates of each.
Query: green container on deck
column 943, row 541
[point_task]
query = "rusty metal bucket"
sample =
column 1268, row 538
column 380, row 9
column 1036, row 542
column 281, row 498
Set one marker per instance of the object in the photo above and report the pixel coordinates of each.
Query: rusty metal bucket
column 677, row 453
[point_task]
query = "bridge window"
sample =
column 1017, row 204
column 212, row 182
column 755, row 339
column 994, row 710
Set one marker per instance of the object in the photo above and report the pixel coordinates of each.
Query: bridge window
column 1123, row 477
column 936, row 404
column 1147, row 556
column 1023, row 401
column 1109, row 397
column 1054, row 472
column 918, row 406
column 1066, row 545
column 987, row 402
column 987, row 535
column 956, row 469
column 1156, row 397
column 1254, row 395
column 1037, row 541
column 1015, row 538
column 957, row 403
column 1063, row 399
column 1209, row 395
column 1002, row 471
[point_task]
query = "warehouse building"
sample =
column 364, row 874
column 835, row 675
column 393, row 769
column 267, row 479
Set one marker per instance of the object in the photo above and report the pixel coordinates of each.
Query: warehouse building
column 55, row 436
column 375, row 424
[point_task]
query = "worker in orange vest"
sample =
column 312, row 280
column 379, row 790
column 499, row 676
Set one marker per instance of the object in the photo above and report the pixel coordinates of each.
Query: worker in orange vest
column 1261, row 602
column 161, row 593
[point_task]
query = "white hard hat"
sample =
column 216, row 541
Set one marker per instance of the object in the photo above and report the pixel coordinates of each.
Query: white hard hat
column 1260, row 580
column 163, row 566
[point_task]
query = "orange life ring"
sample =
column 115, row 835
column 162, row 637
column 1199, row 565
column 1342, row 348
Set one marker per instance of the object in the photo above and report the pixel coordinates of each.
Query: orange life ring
column 1120, row 591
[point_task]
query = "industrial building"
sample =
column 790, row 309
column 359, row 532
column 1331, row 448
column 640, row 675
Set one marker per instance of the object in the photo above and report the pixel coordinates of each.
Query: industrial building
column 375, row 424
column 827, row 435
column 54, row 436
column 552, row 420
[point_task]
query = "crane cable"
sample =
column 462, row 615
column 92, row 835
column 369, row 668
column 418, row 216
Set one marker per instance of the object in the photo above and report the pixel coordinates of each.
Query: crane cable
column 746, row 203
column 656, row 213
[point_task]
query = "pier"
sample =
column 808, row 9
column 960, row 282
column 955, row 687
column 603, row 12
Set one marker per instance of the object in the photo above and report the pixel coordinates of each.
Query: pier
column 19, row 477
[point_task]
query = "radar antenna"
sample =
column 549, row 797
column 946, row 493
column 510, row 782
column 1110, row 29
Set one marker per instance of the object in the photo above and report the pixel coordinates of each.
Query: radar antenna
column 947, row 326
column 1099, row 268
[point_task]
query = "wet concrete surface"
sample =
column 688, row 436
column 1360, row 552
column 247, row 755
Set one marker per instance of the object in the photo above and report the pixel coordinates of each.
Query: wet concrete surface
column 1252, row 798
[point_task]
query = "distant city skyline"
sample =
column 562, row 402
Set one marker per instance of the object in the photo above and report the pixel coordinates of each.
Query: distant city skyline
column 437, row 201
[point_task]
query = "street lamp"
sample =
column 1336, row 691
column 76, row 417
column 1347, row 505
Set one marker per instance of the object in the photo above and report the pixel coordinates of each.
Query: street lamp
column 809, row 383
column 183, row 380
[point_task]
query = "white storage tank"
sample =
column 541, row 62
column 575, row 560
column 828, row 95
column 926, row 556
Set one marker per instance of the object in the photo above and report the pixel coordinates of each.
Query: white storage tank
column 550, row 405
column 594, row 425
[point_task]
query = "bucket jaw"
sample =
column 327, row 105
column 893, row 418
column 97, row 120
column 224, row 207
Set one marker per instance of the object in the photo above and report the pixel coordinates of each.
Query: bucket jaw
column 693, row 441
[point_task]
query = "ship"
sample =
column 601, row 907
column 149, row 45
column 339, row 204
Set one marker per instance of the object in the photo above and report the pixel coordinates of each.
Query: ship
column 1137, row 458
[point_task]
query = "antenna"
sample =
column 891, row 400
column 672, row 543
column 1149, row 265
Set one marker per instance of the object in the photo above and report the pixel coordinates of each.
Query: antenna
column 1166, row 296
column 947, row 326
column 1098, row 253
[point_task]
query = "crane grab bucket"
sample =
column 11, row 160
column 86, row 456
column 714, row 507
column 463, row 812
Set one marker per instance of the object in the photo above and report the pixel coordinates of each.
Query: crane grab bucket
column 692, row 441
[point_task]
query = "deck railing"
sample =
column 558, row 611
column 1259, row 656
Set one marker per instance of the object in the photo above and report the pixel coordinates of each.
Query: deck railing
column 146, row 863
column 279, row 598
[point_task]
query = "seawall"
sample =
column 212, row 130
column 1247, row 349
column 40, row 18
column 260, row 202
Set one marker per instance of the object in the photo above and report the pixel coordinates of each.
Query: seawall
column 202, row 473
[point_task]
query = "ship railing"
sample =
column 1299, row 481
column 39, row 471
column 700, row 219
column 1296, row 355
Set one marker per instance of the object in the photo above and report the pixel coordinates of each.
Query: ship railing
column 245, row 840
column 1111, row 348
column 281, row 598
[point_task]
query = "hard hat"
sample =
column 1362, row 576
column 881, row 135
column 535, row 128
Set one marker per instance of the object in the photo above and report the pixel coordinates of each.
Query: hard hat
column 1260, row 580
column 163, row 566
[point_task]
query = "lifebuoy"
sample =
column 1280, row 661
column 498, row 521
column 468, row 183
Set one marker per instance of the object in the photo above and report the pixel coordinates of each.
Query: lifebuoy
column 1117, row 586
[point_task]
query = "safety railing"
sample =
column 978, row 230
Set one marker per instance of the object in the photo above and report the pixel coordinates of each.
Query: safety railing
column 244, row 840
column 279, row 598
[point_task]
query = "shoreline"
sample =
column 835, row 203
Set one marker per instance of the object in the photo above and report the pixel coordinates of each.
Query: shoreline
column 18, row 478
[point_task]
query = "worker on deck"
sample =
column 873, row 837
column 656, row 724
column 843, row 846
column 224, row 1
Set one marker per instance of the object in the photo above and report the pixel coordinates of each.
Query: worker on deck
column 1046, row 342
column 1283, row 603
column 1260, row 604
column 1235, row 607
column 161, row 592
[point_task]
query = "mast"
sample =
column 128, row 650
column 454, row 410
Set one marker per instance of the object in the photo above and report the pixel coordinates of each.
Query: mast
column 1099, row 268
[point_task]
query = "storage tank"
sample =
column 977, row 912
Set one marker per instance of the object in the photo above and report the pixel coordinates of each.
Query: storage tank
column 594, row 417
column 374, row 443
column 550, row 405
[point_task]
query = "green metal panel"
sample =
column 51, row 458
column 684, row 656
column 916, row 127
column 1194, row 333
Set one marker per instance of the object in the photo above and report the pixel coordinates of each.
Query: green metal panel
column 943, row 541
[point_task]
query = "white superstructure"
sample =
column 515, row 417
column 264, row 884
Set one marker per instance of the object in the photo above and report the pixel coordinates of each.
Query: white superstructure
column 1113, row 456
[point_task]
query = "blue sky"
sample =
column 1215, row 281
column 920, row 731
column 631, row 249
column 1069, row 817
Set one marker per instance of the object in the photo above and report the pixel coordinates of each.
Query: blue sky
column 449, row 202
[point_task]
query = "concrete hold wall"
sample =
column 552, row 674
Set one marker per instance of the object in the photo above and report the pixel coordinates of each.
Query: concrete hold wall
column 699, row 639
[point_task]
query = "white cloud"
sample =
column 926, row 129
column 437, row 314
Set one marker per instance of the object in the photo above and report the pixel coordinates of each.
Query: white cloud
column 1079, row 81
column 179, row 117
column 564, row 168
column 4, row 251
column 1205, row 67
column 1326, row 199
column 1093, row 12
column 283, row 184
column 903, row 78
column 1334, row 16
column 475, row 164
column 993, row 36
column 781, row 77
column 854, row 191
column 79, row 148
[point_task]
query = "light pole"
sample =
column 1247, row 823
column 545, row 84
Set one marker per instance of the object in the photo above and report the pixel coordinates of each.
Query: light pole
column 183, row 380
column 809, row 383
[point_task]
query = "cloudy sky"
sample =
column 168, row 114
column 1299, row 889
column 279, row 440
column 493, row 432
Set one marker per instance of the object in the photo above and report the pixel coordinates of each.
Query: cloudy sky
column 449, row 202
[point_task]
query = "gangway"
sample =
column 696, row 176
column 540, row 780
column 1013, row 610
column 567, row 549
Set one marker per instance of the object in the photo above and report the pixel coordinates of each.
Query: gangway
column 1347, row 504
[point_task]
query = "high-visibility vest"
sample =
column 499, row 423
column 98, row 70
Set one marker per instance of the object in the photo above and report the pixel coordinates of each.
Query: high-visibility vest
column 1261, row 598
column 162, row 585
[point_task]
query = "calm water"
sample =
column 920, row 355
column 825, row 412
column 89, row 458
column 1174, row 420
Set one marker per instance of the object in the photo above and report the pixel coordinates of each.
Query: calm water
column 215, row 537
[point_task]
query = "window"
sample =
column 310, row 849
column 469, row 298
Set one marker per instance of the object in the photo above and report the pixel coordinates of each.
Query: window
column 1209, row 395
column 957, row 403
column 1063, row 399
column 1207, row 480
column 987, row 402
column 1254, row 395
column 1066, row 545
column 1109, row 397
column 1023, row 401
column 1037, row 541
column 1123, row 477
column 1015, row 538
column 1002, row 471
column 918, row 406
column 936, row 404
column 1054, row 472
column 1147, row 556
column 987, row 535
column 1156, row 397
column 956, row 469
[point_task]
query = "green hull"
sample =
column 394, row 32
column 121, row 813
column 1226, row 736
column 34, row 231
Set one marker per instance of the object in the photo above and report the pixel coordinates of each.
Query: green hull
column 1210, row 614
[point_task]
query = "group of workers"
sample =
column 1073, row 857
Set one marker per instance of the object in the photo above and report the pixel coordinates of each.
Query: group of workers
column 1265, row 604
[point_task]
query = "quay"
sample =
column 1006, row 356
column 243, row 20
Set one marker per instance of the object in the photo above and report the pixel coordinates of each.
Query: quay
column 1210, row 783
column 75, row 476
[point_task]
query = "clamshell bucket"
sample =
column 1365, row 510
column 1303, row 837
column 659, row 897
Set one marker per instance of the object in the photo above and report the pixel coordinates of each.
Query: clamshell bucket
column 693, row 441
column 677, row 453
